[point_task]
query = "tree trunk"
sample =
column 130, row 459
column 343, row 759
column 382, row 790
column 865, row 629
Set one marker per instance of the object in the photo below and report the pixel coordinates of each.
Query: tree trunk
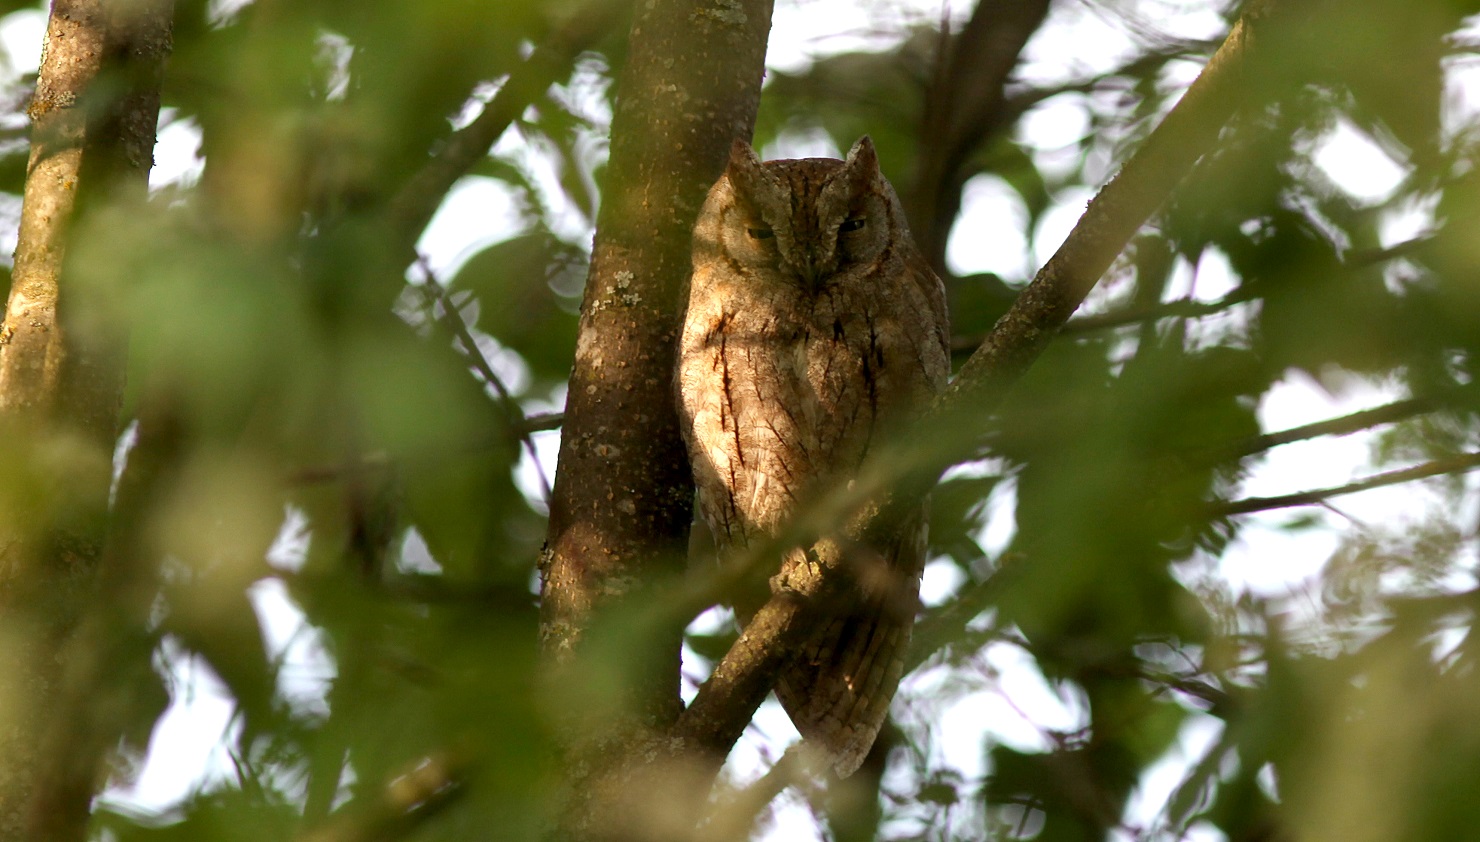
column 95, row 111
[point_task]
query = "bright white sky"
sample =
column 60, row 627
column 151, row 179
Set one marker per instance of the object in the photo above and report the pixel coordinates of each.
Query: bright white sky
column 1011, row 702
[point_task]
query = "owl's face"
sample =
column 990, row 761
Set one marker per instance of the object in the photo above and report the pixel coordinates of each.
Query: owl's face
column 807, row 221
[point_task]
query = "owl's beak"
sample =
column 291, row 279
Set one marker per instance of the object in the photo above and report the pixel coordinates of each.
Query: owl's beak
column 814, row 269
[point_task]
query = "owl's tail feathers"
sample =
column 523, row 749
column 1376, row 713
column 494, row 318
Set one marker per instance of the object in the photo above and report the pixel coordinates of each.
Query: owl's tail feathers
column 838, row 689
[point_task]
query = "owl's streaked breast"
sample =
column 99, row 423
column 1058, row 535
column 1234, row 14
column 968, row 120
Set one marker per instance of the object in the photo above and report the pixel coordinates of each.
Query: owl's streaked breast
column 785, row 390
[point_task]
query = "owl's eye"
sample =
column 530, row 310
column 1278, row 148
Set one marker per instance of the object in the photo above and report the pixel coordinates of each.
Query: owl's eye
column 760, row 233
column 854, row 224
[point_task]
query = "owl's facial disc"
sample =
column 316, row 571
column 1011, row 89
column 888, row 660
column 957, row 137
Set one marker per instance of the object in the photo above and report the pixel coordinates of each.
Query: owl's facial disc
column 806, row 220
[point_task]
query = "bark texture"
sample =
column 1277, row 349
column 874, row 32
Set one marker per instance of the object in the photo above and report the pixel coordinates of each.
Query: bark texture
column 94, row 118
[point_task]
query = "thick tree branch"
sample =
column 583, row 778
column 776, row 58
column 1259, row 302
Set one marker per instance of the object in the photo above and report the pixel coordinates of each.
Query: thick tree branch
column 622, row 498
column 622, row 492
column 85, row 146
column 722, row 708
column 725, row 703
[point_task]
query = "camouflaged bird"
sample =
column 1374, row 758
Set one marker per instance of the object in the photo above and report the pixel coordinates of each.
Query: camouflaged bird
column 813, row 327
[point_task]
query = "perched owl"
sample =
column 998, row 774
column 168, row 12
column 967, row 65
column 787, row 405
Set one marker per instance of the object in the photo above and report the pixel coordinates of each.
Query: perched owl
column 814, row 328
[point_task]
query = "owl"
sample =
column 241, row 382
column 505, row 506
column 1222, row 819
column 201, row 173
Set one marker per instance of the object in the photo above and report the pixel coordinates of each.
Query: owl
column 814, row 328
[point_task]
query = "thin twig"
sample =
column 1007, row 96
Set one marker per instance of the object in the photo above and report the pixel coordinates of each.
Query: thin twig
column 414, row 205
column 1183, row 308
column 1368, row 257
column 1346, row 424
column 370, row 462
column 403, row 803
column 1249, row 505
column 446, row 313
column 543, row 422
column 942, row 626
column 435, row 296
column 1019, row 102
column 734, row 814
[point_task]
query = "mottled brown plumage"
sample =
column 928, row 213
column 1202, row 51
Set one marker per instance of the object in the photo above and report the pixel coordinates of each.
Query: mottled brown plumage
column 813, row 328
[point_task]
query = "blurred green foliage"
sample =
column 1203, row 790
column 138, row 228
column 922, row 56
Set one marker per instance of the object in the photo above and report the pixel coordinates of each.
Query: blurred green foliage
column 309, row 380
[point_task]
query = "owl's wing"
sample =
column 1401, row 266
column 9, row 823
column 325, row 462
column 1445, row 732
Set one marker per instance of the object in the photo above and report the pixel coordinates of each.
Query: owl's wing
column 936, row 350
column 838, row 689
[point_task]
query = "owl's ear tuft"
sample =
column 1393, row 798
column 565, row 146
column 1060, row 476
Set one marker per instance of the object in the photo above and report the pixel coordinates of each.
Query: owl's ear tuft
column 745, row 166
column 863, row 162
column 742, row 151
